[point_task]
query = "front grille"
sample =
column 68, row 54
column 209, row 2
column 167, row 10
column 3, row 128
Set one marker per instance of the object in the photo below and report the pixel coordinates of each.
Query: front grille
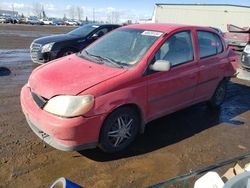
column 34, row 50
column 40, row 101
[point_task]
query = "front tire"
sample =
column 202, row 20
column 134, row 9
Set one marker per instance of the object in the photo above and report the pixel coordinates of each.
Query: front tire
column 66, row 52
column 119, row 130
column 219, row 95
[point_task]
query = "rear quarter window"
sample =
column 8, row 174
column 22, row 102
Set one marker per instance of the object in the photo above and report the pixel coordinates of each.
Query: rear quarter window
column 209, row 44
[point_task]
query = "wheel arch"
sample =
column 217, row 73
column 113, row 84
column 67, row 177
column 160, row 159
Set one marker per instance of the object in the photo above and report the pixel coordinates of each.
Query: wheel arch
column 137, row 109
column 63, row 49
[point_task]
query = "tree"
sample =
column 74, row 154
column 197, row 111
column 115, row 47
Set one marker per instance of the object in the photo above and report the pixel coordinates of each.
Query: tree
column 113, row 17
column 79, row 11
column 37, row 9
column 72, row 12
column 64, row 17
column 43, row 13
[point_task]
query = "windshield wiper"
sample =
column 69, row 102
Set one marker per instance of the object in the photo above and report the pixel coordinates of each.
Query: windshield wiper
column 92, row 55
column 113, row 62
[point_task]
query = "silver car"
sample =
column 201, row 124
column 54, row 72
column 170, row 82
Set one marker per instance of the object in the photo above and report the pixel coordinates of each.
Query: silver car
column 2, row 19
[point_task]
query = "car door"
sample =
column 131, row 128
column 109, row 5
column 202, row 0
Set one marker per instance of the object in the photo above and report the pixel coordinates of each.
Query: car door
column 98, row 33
column 174, row 89
column 211, row 63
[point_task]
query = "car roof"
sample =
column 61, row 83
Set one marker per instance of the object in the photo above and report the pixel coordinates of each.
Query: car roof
column 97, row 24
column 163, row 27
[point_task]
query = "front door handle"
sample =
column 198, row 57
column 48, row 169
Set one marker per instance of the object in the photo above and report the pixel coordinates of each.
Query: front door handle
column 192, row 76
column 202, row 67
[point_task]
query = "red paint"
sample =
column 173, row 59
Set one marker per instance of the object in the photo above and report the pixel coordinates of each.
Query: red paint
column 155, row 95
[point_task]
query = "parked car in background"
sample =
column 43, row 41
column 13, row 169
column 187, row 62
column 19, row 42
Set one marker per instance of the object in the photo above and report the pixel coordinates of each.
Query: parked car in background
column 23, row 20
column 58, row 21
column 245, row 58
column 33, row 20
column 8, row 19
column 2, row 19
column 46, row 22
column 106, row 94
column 237, row 37
column 15, row 19
column 70, row 22
column 48, row 48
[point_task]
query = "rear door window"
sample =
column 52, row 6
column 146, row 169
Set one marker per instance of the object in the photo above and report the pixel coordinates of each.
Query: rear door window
column 219, row 45
column 209, row 44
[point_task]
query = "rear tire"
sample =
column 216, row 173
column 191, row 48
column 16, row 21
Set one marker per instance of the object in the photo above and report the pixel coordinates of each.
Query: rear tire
column 119, row 130
column 219, row 95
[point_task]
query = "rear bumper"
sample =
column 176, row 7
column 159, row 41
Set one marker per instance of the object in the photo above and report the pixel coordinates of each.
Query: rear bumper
column 65, row 134
column 237, row 45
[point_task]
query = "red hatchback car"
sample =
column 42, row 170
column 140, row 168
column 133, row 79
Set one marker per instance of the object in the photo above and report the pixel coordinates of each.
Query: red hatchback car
column 104, row 95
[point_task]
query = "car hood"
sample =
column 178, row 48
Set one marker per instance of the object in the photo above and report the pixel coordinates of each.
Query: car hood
column 55, row 38
column 69, row 76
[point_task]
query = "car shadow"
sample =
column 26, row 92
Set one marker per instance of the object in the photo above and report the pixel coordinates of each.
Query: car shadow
column 4, row 71
column 182, row 124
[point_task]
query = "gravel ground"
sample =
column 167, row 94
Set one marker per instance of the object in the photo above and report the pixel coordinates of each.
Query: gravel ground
column 189, row 139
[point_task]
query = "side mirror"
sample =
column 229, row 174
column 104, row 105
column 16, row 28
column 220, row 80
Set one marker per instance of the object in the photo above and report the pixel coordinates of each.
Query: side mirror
column 95, row 36
column 160, row 65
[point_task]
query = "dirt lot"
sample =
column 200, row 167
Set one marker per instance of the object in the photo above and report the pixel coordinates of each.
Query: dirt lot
column 173, row 145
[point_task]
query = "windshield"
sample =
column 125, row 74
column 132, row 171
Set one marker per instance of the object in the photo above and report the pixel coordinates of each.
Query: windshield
column 84, row 30
column 123, row 46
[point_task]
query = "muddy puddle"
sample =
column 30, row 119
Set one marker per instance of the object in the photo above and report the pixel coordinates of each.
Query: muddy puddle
column 14, row 55
column 243, row 74
column 23, row 33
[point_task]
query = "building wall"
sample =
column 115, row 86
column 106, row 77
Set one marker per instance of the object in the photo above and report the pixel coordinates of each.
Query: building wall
column 8, row 13
column 203, row 15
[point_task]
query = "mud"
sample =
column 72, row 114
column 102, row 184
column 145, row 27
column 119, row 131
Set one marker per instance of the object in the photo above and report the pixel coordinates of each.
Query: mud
column 243, row 74
column 173, row 145
column 20, row 36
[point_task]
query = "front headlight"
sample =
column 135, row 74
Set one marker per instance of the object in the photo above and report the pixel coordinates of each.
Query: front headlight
column 47, row 47
column 247, row 49
column 69, row 106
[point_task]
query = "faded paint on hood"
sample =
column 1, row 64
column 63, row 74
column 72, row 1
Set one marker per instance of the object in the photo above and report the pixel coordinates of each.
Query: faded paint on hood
column 69, row 76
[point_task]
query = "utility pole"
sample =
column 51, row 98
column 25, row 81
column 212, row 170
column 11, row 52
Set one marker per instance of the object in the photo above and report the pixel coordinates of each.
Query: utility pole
column 13, row 10
column 94, row 15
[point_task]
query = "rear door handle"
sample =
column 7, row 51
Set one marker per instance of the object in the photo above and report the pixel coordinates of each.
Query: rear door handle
column 222, row 66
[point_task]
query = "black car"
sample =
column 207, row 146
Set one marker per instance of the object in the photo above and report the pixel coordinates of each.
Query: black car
column 48, row 48
column 245, row 58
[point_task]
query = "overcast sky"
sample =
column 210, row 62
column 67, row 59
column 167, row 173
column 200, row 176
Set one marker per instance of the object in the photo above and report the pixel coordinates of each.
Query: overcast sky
column 128, row 9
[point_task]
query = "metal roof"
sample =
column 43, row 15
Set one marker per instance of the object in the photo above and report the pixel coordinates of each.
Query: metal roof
column 163, row 27
column 200, row 4
column 8, row 12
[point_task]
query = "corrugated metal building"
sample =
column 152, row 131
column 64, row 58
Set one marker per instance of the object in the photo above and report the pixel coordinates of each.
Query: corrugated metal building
column 8, row 13
column 216, row 15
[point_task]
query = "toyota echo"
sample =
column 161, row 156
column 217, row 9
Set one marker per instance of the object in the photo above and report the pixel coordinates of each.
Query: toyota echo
column 104, row 95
